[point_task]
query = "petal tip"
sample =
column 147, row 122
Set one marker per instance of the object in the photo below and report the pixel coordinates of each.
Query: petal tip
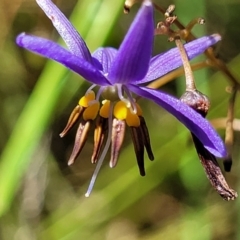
column 223, row 153
column 147, row 3
column 217, row 152
column 217, row 37
column 19, row 38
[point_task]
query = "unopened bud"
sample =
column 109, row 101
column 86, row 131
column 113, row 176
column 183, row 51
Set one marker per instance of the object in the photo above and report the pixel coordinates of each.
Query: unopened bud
column 169, row 11
column 128, row 4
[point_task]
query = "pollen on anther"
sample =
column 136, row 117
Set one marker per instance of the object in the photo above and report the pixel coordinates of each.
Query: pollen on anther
column 91, row 112
column 88, row 97
column 139, row 110
column 120, row 110
column 132, row 119
column 104, row 110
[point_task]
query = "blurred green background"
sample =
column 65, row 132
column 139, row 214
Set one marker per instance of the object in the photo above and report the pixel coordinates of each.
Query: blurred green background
column 42, row 198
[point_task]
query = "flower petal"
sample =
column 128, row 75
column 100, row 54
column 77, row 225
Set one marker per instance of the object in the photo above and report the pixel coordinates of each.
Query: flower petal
column 132, row 60
column 72, row 38
column 105, row 56
column 191, row 119
column 170, row 60
column 54, row 51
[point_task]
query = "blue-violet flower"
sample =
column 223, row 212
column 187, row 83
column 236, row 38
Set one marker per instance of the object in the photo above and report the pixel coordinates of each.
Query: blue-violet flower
column 120, row 75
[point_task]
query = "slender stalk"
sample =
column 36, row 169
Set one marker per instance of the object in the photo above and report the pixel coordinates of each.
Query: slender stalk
column 220, row 123
column 176, row 73
column 190, row 83
column 229, row 138
column 209, row 53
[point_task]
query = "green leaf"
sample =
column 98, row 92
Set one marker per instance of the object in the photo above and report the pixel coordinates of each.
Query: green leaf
column 94, row 25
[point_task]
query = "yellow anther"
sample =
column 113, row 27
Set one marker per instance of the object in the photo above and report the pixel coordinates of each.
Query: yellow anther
column 91, row 112
column 120, row 110
column 132, row 119
column 139, row 110
column 104, row 110
column 88, row 97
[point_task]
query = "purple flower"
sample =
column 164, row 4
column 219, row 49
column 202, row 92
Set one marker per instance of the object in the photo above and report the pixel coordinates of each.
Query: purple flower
column 119, row 74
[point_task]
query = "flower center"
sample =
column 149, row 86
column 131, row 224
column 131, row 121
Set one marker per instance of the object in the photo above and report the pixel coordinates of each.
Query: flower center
column 124, row 106
column 110, row 93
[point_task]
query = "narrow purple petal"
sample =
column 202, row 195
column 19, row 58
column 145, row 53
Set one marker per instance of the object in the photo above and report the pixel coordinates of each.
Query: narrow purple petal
column 170, row 60
column 105, row 56
column 132, row 61
column 72, row 38
column 54, row 51
column 191, row 119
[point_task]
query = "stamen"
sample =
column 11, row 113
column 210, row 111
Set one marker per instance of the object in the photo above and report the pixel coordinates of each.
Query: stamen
column 99, row 135
column 118, row 133
column 91, row 88
column 133, row 108
column 138, row 144
column 146, row 138
column 103, row 155
column 88, row 97
column 91, row 111
column 121, row 96
column 99, row 93
column 76, row 113
column 132, row 119
column 80, row 140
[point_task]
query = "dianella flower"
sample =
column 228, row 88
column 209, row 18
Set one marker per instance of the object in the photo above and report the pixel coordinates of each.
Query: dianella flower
column 117, row 77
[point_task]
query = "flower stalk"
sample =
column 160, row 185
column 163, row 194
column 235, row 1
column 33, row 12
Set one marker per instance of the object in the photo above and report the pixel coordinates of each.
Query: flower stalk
column 200, row 103
column 189, row 77
column 229, row 134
